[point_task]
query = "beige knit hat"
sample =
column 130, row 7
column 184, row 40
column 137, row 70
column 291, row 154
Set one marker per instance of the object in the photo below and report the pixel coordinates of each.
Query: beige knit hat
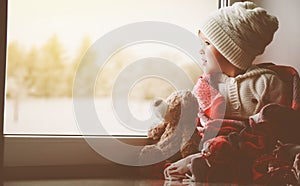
column 240, row 32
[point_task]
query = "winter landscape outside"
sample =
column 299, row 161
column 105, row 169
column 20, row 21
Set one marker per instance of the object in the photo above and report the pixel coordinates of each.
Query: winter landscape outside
column 46, row 45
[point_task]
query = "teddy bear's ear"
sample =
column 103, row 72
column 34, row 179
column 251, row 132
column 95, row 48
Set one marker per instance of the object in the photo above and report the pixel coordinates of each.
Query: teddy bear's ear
column 159, row 108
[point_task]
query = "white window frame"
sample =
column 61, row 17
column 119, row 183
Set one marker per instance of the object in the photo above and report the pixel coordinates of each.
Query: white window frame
column 30, row 151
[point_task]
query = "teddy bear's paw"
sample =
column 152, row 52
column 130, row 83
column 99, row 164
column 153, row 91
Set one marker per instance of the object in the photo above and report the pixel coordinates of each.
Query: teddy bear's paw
column 150, row 153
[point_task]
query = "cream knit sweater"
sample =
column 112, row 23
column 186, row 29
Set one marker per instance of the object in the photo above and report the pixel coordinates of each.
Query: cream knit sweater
column 247, row 93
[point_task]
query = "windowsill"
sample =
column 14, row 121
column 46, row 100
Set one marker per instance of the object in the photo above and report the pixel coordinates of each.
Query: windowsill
column 20, row 151
column 99, row 172
column 68, row 157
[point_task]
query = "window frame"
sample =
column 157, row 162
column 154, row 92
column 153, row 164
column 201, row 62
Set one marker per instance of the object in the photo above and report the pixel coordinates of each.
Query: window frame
column 3, row 34
column 58, row 148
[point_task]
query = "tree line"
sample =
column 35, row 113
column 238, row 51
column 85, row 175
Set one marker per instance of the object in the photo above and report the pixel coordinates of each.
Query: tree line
column 47, row 72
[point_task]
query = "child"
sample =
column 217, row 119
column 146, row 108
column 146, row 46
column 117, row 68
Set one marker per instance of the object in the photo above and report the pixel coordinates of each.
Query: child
column 233, row 37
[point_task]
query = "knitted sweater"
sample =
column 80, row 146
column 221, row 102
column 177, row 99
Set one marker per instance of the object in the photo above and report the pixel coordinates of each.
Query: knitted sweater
column 247, row 93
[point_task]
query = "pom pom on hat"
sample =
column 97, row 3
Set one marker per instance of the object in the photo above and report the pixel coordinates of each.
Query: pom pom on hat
column 240, row 32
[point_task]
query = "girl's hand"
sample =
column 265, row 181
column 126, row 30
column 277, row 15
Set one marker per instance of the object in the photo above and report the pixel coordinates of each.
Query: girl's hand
column 179, row 169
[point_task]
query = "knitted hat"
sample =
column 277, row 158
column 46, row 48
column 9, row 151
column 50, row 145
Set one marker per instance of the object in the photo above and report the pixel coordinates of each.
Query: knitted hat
column 240, row 32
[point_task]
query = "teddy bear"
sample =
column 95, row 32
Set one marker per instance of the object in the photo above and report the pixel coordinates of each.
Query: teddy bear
column 177, row 129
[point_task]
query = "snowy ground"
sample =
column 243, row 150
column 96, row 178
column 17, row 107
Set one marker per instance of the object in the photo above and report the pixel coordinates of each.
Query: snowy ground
column 56, row 117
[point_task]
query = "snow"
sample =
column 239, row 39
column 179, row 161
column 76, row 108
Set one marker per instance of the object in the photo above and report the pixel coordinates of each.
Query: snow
column 56, row 117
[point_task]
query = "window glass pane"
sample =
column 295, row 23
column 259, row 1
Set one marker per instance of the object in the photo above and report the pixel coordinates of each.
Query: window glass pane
column 47, row 40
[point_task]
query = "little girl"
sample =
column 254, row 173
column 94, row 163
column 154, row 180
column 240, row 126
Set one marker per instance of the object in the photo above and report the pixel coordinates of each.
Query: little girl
column 233, row 36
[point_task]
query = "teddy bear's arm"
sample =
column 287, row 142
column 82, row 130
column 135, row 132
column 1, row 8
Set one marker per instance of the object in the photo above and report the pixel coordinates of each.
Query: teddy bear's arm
column 156, row 132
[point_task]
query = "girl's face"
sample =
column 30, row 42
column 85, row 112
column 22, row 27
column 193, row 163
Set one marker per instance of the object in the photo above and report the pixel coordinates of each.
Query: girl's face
column 212, row 61
column 210, row 57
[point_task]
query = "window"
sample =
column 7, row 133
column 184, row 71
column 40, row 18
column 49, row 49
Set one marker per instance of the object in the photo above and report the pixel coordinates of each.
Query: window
column 46, row 41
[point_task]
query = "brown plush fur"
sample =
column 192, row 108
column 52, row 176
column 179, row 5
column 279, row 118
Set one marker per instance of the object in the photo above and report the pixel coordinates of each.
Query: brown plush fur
column 177, row 131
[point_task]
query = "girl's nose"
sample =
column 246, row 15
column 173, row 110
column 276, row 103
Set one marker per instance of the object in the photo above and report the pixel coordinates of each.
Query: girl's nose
column 201, row 51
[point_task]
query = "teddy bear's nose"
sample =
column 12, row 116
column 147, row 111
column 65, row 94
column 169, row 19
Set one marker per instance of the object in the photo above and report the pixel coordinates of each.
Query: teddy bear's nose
column 157, row 102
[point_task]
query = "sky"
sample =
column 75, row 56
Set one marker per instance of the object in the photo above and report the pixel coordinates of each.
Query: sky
column 33, row 22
